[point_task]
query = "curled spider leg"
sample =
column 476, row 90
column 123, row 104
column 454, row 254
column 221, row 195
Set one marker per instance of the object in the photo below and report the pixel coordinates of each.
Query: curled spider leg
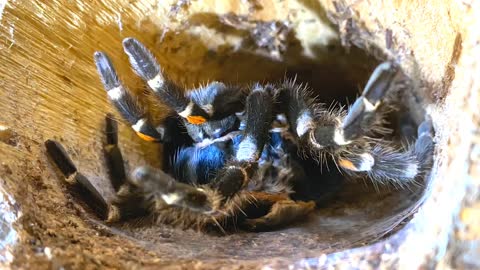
column 361, row 115
column 384, row 163
column 302, row 112
column 145, row 65
column 123, row 100
column 77, row 182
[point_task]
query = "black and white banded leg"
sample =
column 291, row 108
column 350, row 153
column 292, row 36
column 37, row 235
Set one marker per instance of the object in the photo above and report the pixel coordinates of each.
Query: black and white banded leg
column 124, row 101
column 128, row 203
column 384, row 163
column 146, row 66
column 238, row 171
column 343, row 135
column 361, row 115
column 321, row 128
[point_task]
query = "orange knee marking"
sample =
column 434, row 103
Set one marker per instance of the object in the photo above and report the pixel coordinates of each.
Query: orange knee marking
column 347, row 164
column 146, row 137
column 196, row 120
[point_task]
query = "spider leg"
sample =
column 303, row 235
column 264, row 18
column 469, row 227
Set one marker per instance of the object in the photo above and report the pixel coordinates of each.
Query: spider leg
column 258, row 115
column 361, row 115
column 227, row 101
column 124, row 101
column 385, row 163
column 320, row 128
column 258, row 118
column 129, row 201
column 145, row 65
column 76, row 181
column 164, row 189
column 300, row 109
column 424, row 145
column 113, row 155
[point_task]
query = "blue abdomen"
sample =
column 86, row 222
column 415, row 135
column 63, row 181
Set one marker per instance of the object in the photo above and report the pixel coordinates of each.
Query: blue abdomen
column 195, row 165
column 199, row 165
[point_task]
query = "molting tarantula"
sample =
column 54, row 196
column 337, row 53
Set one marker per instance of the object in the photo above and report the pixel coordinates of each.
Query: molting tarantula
column 249, row 157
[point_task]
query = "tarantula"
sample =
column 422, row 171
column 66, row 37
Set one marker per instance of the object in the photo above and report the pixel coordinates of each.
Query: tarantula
column 249, row 157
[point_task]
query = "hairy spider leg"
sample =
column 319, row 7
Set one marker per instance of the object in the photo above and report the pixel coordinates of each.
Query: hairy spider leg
column 361, row 115
column 302, row 113
column 323, row 128
column 328, row 131
column 162, row 186
column 225, row 103
column 113, row 155
column 424, row 144
column 317, row 127
column 382, row 162
column 128, row 203
column 123, row 100
column 258, row 117
column 147, row 67
column 76, row 181
column 385, row 163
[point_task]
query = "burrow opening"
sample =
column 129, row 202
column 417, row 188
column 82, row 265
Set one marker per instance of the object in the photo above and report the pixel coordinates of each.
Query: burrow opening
column 359, row 213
